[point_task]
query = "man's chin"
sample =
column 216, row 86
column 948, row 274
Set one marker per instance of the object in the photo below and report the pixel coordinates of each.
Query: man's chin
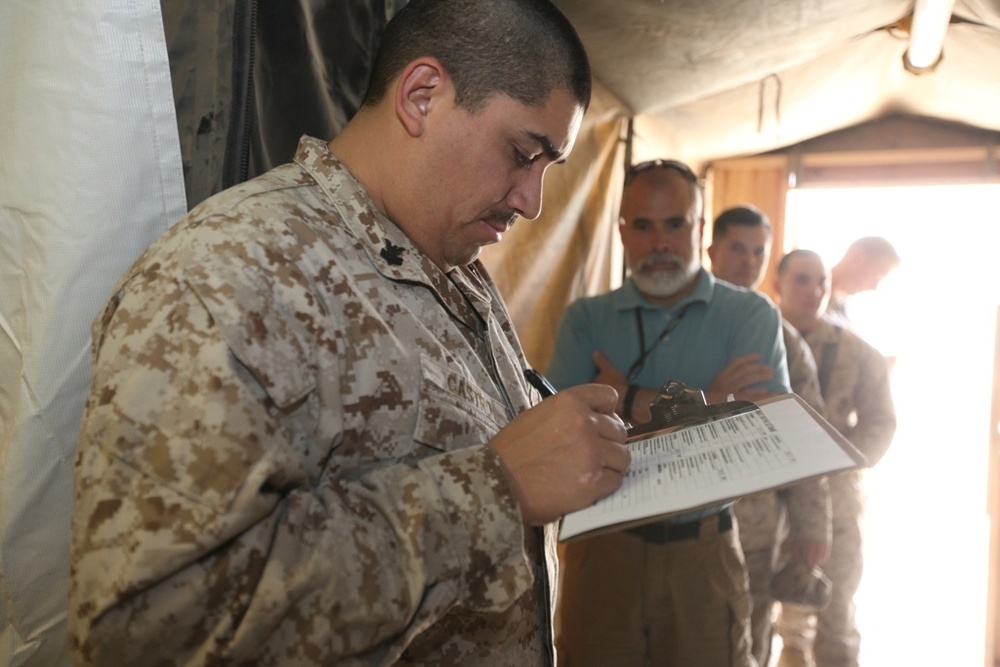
column 472, row 255
column 661, row 284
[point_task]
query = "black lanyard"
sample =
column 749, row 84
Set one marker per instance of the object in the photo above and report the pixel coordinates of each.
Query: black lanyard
column 636, row 368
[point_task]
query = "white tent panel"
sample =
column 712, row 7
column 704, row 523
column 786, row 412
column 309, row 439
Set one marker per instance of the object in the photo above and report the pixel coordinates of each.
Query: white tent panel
column 90, row 173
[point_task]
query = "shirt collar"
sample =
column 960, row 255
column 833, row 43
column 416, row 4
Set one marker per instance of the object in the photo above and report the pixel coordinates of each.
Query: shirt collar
column 388, row 248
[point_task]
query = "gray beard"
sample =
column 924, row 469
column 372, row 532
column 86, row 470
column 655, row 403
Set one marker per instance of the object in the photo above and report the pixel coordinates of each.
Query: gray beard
column 665, row 283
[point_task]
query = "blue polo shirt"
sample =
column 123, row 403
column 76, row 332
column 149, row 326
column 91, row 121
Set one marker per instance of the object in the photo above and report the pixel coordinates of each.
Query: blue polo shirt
column 720, row 322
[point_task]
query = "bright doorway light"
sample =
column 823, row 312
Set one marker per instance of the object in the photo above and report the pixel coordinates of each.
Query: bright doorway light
column 922, row 599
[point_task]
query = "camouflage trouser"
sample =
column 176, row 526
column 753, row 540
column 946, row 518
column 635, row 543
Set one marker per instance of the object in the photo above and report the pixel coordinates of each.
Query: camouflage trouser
column 832, row 635
column 760, row 569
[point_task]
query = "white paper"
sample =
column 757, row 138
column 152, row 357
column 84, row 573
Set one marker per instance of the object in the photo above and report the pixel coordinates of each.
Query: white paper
column 779, row 443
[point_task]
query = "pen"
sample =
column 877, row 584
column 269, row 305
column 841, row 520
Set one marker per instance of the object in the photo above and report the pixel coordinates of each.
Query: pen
column 545, row 388
column 538, row 381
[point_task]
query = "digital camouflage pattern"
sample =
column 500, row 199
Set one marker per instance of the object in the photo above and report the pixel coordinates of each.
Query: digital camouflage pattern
column 800, row 511
column 282, row 459
column 854, row 378
column 807, row 504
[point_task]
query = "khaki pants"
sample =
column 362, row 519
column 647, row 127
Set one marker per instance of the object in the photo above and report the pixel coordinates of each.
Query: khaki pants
column 682, row 603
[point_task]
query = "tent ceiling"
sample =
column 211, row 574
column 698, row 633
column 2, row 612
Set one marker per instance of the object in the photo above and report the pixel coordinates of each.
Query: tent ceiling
column 717, row 79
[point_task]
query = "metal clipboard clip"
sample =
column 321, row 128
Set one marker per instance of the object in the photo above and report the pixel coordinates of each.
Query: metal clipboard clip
column 678, row 406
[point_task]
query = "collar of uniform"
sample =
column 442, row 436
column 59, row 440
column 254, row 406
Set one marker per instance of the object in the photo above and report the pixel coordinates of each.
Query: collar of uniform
column 475, row 282
column 702, row 292
column 366, row 222
column 824, row 331
column 372, row 229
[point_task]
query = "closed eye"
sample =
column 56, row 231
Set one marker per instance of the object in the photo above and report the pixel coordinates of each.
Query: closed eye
column 523, row 161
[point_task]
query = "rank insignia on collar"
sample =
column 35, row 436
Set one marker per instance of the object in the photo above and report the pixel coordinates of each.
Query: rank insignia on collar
column 392, row 253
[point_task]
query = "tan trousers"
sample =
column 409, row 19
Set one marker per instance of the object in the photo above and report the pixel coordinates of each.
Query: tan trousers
column 683, row 603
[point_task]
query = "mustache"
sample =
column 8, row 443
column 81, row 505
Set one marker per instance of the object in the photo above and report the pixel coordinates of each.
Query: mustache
column 502, row 214
column 659, row 258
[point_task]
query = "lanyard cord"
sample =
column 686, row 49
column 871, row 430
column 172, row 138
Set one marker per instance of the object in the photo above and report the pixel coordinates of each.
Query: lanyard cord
column 645, row 352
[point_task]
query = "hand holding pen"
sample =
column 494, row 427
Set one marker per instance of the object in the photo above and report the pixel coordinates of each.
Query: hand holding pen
column 564, row 453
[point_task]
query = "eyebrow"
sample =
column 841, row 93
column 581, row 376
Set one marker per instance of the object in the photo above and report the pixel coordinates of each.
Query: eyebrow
column 547, row 147
column 666, row 221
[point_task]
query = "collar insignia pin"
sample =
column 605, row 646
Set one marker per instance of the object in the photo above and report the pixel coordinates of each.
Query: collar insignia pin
column 392, row 253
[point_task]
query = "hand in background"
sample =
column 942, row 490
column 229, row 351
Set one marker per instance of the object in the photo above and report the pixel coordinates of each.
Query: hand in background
column 812, row 552
column 738, row 378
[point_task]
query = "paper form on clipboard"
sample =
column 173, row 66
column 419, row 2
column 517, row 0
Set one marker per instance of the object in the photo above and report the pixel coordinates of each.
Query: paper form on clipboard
column 692, row 455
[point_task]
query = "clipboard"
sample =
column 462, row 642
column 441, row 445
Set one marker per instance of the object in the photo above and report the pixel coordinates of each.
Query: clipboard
column 692, row 455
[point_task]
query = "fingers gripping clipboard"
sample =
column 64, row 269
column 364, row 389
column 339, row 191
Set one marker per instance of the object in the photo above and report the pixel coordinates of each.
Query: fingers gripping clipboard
column 692, row 455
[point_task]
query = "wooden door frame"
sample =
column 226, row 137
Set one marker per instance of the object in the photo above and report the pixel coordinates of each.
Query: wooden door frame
column 993, row 508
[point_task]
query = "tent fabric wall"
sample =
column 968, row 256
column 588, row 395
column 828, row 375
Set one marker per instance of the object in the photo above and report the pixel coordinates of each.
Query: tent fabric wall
column 311, row 67
column 90, row 173
column 209, row 47
column 250, row 78
column 716, row 80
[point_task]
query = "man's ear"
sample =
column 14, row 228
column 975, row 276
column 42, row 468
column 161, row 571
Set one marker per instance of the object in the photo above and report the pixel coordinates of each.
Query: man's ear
column 700, row 245
column 710, row 251
column 418, row 90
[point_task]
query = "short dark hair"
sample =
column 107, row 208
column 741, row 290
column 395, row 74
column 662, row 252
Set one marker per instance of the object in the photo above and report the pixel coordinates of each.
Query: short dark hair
column 746, row 215
column 876, row 248
column 667, row 166
column 661, row 163
column 523, row 49
column 789, row 256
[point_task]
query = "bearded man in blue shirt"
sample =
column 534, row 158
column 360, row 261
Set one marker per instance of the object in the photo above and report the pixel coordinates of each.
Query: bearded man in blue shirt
column 673, row 592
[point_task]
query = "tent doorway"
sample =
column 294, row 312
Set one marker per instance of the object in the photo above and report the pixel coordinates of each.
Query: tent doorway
column 923, row 598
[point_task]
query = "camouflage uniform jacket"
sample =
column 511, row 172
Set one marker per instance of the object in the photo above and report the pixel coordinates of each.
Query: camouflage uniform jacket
column 804, row 507
column 282, row 460
column 854, row 379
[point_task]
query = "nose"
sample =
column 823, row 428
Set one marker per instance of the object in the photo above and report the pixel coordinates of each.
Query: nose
column 660, row 237
column 526, row 195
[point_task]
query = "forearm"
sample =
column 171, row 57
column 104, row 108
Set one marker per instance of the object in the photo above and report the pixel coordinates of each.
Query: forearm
column 347, row 569
column 873, row 437
column 876, row 414
column 808, row 510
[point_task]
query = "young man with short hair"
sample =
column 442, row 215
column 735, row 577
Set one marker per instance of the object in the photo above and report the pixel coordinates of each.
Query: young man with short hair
column 854, row 381
column 740, row 250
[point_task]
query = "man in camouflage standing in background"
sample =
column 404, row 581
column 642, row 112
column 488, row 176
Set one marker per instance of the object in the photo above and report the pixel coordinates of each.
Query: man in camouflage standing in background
column 854, row 381
column 800, row 514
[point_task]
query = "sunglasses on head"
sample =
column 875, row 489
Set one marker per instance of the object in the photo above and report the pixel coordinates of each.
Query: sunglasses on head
column 676, row 165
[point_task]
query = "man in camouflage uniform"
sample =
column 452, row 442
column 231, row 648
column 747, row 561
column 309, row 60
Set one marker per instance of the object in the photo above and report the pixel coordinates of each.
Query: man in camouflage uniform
column 310, row 440
column 864, row 265
column 854, row 381
column 741, row 245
